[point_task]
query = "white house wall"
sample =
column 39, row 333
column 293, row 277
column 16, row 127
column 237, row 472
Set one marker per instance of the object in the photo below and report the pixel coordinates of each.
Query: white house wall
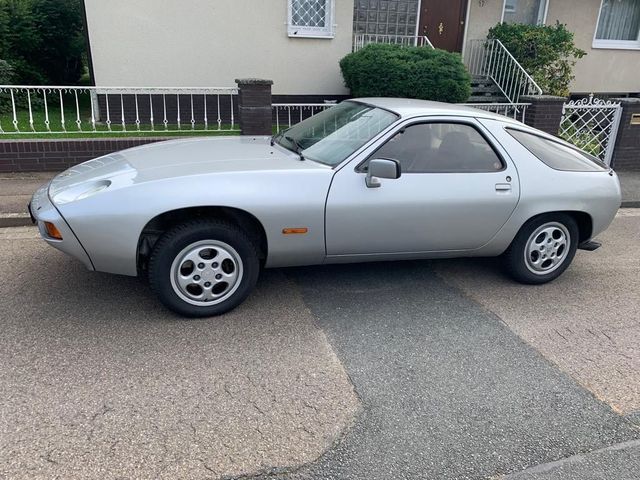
column 601, row 70
column 205, row 43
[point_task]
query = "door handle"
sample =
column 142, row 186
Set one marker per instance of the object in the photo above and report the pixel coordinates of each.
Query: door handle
column 503, row 187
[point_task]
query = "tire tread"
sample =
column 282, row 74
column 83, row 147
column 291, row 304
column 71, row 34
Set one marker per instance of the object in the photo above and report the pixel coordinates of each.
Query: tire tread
column 173, row 235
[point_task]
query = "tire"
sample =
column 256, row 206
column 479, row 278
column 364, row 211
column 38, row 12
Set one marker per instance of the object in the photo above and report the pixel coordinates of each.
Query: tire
column 543, row 249
column 203, row 268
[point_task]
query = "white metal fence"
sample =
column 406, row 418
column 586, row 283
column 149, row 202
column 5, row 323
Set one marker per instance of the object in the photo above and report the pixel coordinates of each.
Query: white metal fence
column 285, row 115
column 517, row 111
column 96, row 110
column 592, row 125
column 491, row 59
column 360, row 40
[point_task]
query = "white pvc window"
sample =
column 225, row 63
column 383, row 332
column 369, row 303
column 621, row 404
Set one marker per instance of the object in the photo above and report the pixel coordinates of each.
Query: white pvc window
column 618, row 25
column 531, row 12
column 311, row 18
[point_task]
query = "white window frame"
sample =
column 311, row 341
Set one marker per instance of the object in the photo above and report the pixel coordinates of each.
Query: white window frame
column 328, row 31
column 613, row 44
column 542, row 21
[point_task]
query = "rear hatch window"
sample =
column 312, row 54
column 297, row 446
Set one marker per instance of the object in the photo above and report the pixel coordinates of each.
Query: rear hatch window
column 558, row 154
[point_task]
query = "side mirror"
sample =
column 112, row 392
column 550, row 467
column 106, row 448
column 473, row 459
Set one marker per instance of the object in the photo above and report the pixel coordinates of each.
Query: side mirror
column 381, row 168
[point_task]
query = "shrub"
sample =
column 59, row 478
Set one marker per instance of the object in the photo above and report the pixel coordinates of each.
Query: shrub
column 6, row 77
column 380, row 70
column 6, row 72
column 546, row 52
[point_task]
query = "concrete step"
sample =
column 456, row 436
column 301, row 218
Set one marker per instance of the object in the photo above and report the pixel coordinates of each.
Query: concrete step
column 483, row 81
column 487, row 98
column 485, row 89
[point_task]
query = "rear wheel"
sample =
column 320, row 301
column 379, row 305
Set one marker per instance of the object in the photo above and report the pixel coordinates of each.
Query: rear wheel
column 543, row 248
column 203, row 268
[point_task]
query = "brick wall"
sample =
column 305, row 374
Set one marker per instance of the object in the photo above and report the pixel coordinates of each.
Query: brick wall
column 254, row 106
column 544, row 113
column 58, row 155
column 626, row 155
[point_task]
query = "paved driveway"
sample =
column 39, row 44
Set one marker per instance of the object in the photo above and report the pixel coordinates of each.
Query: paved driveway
column 404, row 370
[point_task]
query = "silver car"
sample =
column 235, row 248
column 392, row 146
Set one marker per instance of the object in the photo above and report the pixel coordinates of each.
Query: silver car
column 366, row 180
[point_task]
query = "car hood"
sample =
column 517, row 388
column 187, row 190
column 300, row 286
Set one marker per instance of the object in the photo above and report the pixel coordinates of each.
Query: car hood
column 176, row 158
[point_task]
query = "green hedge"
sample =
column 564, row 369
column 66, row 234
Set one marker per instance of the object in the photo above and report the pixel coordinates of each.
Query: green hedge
column 547, row 52
column 380, row 70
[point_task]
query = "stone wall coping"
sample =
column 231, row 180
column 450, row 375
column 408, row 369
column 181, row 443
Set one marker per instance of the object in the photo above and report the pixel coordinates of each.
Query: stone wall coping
column 542, row 98
column 253, row 81
column 631, row 100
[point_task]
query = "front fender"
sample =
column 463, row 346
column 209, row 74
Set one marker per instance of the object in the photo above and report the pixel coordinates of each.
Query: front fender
column 109, row 223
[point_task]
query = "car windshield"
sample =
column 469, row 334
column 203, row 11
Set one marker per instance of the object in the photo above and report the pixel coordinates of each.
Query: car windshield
column 332, row 135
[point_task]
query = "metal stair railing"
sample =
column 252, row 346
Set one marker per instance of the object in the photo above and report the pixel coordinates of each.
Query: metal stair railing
column 491, row 59
column 360, row 40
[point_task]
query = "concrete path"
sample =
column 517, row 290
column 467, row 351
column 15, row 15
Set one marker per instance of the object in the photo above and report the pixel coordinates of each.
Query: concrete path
column 16, row 190
column 630, row 184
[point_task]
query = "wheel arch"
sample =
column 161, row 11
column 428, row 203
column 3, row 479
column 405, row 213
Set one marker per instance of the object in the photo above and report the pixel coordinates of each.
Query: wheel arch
column 582, row 219
column 163, row 222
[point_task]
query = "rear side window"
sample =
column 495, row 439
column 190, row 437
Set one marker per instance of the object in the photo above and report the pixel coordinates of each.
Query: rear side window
column 558, row 155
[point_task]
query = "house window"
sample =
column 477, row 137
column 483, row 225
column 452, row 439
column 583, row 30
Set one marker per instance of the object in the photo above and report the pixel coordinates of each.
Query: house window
column 311, row 18
column 618, row 25
column 385, row 17
column 531, row 12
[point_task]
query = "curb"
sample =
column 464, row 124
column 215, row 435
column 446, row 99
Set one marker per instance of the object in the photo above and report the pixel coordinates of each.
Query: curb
column 15, row 220
column 633, row 204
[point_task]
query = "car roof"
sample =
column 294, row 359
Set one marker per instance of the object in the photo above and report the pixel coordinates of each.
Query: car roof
column 408, row 108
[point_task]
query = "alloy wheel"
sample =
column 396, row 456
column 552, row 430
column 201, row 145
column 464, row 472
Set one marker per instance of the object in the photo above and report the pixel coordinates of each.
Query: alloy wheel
column 547, row 248
column 206, row 272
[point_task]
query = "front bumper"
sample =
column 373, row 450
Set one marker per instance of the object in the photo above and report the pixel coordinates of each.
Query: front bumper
column 41, row 210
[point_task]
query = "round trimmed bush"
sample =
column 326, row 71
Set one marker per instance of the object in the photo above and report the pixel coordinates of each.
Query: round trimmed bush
column 381, row 70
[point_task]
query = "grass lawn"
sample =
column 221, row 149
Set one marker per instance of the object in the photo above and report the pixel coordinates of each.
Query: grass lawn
column 40, row 130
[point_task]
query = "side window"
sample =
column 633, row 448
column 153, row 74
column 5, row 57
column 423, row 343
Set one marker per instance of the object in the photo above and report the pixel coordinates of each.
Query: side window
column 440, row 147
column 559, row 156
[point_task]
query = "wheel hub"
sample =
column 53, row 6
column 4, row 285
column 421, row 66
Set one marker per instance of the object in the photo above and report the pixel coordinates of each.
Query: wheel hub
column 547, row 248
column 206, row 272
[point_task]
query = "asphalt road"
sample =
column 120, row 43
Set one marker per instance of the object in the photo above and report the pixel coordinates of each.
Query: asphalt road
column 98, row 381
column 587, row 322
column 448, row 390
column 402, row 370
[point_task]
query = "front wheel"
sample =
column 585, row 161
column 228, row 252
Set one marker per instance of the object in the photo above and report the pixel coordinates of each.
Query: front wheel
column 203, row 268
column 543, row 249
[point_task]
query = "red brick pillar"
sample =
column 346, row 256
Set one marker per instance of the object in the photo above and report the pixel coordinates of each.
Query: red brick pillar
column 544, row 113
column 626, row 155
column 254, row 106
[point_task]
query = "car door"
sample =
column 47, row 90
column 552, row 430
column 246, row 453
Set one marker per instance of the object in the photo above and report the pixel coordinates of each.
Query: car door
column 456, row 190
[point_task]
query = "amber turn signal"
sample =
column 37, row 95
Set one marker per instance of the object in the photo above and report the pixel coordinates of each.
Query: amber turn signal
column 52, row 231
column 294, row 231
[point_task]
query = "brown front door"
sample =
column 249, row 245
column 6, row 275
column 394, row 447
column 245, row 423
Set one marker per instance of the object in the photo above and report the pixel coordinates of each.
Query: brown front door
column 443, row 22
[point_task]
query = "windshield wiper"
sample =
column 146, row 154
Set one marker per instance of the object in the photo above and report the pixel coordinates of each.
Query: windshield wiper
column 297, row 146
